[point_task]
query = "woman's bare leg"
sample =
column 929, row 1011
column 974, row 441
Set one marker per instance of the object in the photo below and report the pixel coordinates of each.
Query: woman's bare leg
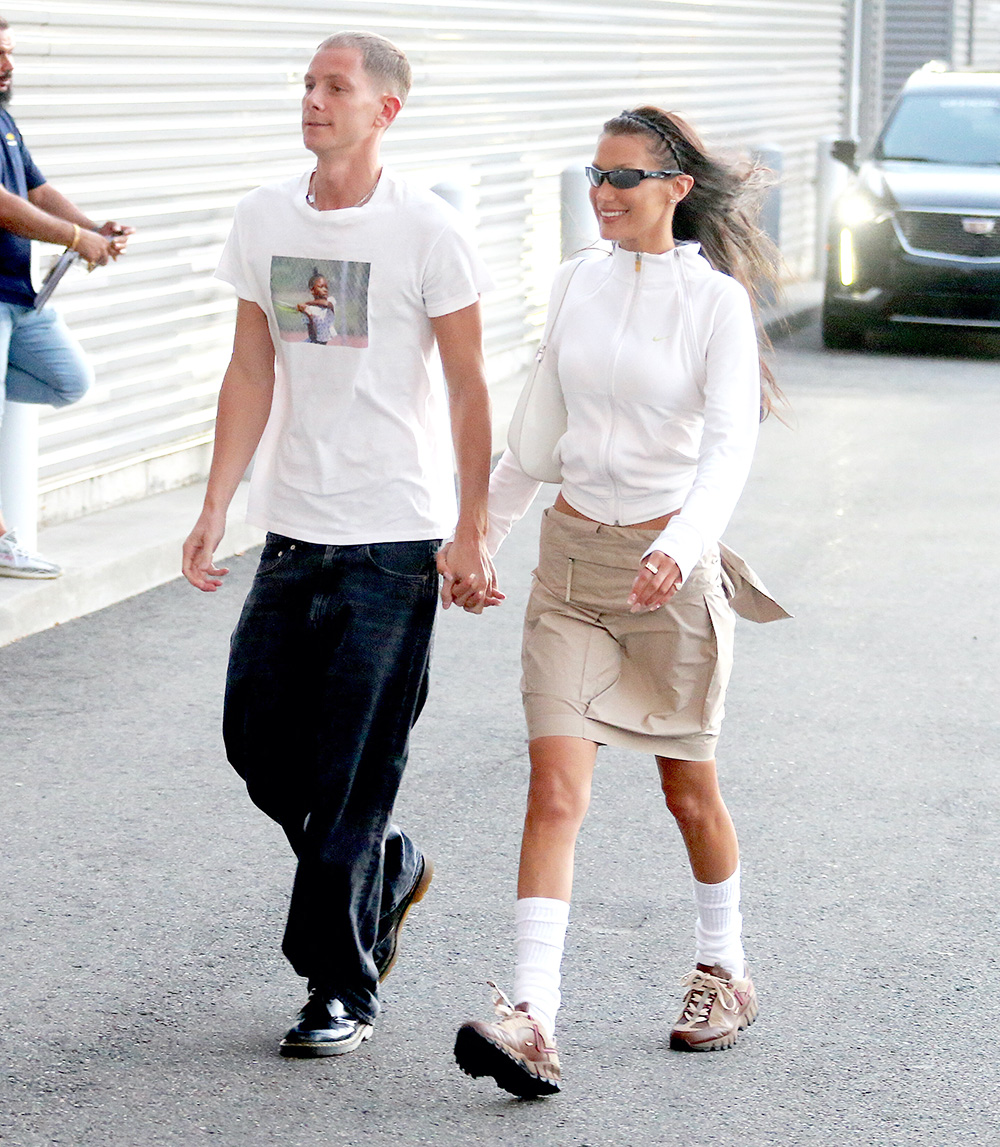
column 562, row 770
column 693, row 797
column 712, row 1014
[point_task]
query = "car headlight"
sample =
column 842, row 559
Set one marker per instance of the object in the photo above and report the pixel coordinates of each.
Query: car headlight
column 848, row 265
column 855, row 208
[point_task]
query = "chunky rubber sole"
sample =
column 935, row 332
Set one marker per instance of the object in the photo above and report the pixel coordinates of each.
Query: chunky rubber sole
column 419, row 892
column 318, row 1050
column 721, row 1044
column 478, row 1057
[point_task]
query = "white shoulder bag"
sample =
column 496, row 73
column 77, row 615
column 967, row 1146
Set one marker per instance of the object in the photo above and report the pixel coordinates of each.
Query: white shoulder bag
column 539, row 418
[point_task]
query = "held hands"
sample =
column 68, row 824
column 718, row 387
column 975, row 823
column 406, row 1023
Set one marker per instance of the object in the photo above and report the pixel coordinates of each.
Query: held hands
column 198, row 566
column 468, row 578
column 657, row 582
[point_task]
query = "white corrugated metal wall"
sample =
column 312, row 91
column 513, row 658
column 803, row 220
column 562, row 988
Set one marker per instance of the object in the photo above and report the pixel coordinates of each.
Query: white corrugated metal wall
column 915, row 31
column 983, row 30
column 164, row 113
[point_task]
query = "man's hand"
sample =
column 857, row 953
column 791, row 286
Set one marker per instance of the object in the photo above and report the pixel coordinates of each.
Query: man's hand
column 95, row 249
column 656, row 583
column 198, row 565
column 98, row 248
column 118, row 233
column 468, row 578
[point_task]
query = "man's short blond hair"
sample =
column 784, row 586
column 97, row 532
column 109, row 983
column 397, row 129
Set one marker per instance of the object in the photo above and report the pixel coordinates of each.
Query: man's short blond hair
column 380, row 58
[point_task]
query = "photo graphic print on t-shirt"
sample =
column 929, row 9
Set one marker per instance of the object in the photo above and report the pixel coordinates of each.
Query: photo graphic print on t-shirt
column 320, row 301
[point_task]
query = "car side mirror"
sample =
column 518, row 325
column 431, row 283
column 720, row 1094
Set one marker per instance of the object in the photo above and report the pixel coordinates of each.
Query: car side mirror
column 845, row 151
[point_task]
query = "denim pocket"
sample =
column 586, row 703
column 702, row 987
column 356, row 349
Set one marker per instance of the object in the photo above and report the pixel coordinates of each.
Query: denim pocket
column 277, row 550
column 413, row 561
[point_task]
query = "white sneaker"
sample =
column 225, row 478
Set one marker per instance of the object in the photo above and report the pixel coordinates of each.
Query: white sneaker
column 16, row 561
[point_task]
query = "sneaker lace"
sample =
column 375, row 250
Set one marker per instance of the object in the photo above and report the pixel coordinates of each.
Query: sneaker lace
column 15, row 547
column 501, row 1002
column 702, row 990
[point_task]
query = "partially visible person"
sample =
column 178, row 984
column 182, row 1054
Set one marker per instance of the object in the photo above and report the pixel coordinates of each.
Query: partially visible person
column 40, row 361
column 629, row 629
column 319, row 311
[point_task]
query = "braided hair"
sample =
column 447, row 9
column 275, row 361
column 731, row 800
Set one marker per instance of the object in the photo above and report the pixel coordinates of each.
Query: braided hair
column 720, row 212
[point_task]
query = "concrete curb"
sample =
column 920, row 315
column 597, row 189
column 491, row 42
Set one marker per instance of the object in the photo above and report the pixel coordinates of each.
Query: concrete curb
column 115, row 554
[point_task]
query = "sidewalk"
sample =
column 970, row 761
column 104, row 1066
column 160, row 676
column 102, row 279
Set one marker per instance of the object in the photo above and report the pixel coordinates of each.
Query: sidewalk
column 112, row 555
column 117, row 553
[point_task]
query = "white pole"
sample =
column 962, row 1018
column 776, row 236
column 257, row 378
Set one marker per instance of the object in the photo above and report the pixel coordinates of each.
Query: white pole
column 19, row 471
column 578, row 227
column 857, row 46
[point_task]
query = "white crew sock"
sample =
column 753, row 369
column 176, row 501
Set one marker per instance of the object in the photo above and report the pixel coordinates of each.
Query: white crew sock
column 719, row 928
column 539, row 933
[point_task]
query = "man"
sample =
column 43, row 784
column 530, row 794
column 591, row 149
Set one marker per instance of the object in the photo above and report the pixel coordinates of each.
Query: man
column 40, row 360
column 353, row 479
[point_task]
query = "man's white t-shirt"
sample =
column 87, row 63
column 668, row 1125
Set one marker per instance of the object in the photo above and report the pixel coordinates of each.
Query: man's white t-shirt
column 357, row 447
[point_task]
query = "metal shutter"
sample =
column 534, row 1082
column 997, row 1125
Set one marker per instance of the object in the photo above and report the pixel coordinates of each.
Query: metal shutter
column 164, row 113
column 915, row 31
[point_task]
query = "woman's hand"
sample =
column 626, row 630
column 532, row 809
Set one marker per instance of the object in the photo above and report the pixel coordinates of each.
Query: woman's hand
column 658, row 580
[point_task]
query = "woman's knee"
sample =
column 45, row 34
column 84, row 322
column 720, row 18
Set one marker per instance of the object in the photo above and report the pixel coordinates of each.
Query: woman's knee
column 692, row 792
column 554, row 801
column 559, row 790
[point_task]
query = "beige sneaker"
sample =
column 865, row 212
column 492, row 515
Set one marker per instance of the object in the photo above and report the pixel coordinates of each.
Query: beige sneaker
column 515, row 1050
column 716, row 1009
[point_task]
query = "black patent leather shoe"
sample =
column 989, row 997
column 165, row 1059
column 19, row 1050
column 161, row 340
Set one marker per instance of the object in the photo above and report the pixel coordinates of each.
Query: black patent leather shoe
column 324, row 1027
column 387, row 946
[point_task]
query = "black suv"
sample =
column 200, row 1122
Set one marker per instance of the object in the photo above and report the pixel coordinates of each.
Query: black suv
column 915, row 238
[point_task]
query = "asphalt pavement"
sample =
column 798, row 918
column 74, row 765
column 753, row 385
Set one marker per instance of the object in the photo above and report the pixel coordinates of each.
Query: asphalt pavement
column 143, row 896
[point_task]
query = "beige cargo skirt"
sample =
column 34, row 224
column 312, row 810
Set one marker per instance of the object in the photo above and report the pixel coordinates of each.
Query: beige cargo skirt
column 650, row 681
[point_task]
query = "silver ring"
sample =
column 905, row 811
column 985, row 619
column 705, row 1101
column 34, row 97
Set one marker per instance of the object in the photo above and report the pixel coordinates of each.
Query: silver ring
column 652, row 569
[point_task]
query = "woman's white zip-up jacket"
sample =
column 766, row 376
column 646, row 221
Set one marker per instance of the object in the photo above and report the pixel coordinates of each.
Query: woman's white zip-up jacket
column 658, row 362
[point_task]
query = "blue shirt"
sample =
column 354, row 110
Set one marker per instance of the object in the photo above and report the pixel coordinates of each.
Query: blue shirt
column 19, row 175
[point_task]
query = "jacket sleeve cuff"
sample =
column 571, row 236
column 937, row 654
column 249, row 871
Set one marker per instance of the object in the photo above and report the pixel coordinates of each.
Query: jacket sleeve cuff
column 682, row 542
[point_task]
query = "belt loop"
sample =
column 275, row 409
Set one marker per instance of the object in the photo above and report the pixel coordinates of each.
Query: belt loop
column 569, row 577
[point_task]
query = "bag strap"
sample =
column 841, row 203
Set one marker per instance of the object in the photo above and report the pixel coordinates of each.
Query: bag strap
column 560, row 286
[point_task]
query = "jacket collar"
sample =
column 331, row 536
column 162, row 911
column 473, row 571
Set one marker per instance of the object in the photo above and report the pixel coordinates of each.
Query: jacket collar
column 658, row 268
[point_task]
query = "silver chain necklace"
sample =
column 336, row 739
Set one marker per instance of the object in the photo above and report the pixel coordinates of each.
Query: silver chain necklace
column 311, row 195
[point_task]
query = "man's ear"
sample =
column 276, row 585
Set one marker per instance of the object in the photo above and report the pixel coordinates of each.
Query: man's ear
column 391, row 107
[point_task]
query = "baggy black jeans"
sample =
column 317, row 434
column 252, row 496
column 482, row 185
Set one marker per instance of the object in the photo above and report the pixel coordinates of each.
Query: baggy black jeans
column 327, row 675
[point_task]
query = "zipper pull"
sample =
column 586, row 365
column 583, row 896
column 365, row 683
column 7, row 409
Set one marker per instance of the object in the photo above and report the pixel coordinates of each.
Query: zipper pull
column 638, row 262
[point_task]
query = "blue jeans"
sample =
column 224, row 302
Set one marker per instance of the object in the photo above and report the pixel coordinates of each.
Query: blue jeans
column 43, row 363
column 327, row 675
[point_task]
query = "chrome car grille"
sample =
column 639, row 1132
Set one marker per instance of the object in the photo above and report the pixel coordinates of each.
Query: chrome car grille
column 942, row 233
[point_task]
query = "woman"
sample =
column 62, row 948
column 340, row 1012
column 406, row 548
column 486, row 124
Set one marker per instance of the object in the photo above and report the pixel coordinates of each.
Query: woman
column 628, row 633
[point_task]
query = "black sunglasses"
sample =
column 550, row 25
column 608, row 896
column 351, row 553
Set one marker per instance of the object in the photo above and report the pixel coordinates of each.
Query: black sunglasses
column 624, row 178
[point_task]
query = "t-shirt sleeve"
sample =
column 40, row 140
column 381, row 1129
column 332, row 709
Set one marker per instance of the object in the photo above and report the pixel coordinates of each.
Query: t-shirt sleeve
column 233, row 267
column 455, row 275
column 32, row 176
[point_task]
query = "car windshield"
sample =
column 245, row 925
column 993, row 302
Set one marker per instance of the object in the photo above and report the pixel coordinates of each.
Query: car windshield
column 945, row 127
